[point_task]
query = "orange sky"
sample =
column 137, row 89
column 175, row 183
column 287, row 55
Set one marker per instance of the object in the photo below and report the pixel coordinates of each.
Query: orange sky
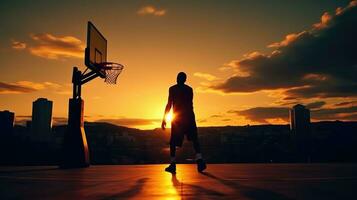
column 42, row 41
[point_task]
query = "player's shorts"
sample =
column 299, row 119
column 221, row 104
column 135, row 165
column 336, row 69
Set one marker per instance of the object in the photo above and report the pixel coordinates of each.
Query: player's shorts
column 181, row 128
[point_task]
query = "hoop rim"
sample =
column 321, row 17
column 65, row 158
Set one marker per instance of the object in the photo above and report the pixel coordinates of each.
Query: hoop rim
column 110, row 65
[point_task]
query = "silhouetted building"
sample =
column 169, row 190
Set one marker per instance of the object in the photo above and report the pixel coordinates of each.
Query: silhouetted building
column 41, row 119
column 7, row 120
column 300, row 126
column 299, row 118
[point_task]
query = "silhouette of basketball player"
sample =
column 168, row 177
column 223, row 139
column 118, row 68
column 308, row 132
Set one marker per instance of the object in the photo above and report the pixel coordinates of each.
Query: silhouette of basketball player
column 184, row 123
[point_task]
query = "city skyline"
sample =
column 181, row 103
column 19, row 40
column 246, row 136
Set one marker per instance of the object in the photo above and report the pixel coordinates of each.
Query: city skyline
column 224, row 48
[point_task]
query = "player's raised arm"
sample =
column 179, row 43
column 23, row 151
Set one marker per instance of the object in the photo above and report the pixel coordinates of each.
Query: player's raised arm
column 167, row 110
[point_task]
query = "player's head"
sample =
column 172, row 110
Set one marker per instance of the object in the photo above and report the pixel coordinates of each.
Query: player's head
column 181, row 78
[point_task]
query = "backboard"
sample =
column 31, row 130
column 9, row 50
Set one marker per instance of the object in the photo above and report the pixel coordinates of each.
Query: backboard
column 96, row 50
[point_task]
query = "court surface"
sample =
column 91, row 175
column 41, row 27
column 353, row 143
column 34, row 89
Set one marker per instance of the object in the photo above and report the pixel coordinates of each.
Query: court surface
column 221, row 181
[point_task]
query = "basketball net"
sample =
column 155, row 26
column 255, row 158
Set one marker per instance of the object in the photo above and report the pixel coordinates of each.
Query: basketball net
column 112, row 71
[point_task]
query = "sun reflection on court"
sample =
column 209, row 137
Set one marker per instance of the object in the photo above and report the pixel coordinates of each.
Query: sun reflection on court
column 170, row 187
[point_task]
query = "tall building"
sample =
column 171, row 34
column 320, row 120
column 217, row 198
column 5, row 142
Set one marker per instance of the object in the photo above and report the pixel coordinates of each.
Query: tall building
column 299, row 118
column 41, row 119
column 300, row 127
column 7, row 121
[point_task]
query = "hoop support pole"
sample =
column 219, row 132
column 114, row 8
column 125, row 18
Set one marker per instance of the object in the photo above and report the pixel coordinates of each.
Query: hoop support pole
column 88, row 78
column 75, row 153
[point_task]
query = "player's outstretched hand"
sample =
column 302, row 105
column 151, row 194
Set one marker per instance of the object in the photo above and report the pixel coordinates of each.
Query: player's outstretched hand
column 163, row 124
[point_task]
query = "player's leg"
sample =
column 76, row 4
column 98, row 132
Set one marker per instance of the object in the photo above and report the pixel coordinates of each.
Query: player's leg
column 201, row 165
column 197, row 148
column 172, row 153
column 172, row 167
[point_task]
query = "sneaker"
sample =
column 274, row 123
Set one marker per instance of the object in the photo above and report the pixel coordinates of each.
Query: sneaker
column 201, row 165
column 171, row 168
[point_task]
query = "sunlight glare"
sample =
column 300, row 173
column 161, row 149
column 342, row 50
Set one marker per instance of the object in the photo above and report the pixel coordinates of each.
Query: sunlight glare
column 169, row 117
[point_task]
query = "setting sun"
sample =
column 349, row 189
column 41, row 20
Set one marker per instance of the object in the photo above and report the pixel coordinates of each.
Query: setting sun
column 169, row 117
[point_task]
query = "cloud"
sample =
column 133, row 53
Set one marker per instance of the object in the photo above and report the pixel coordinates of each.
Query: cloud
column 325, row 19
column 344, row 113
column 18, row 45
column 266, row 114
column 49, row 46
column 151, row 10
column 21, row 87
column 315, row 105
column 317, row 63
column 130, row 121
column 288, row 39
column 202, row 120
column 263, row 114
column 216, row 116
column 346, row 103
column 206, row 76
column 55, row 47
column 33, row 85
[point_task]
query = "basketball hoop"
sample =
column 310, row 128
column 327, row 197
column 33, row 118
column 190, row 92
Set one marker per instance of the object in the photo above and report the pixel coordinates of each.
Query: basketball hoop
column 112, row 71
column 75, row 146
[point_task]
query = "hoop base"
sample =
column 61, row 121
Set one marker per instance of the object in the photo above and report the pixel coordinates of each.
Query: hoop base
column 75, row 148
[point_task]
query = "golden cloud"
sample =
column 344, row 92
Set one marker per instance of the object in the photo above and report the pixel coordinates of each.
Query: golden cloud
column 15, row 88
column 151, row 10
column 208, row 77
column 288, row 39
column 21, row 87
column 18, row 45
column 325, row 19
column 55, row 47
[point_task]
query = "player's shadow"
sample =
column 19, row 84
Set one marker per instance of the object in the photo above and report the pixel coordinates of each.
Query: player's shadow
column 248, row 191
column 187, row 190
column 130, row 192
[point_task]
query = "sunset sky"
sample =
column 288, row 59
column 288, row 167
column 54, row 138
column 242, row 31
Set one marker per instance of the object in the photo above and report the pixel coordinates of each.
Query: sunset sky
column 247, row 61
